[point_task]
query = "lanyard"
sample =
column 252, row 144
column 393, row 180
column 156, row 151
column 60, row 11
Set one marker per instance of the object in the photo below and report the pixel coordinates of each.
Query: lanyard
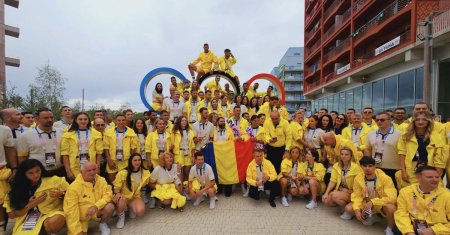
column 176, row 102
column 294, row 168
column 201, row 170
column 367, row 188
column 221, row 132
column 356, row 130
column 79, row 138
column 311, row 136
column 43, row 142
column 120, row 143
column 309, row 168
column 429, row 206
column 383, row 137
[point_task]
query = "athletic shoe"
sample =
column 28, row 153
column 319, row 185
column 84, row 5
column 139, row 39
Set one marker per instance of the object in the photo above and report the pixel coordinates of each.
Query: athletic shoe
column 346, row 216
column 284, row 202
column 120, row 221
column 186, row 195
column 311, row 205
column 371, row 220
column 289, row 197
column 246, row 193
column 152, row 204
column 272, row 203
column 131, row 214
column 144, row 197
column 389, row 231
column 198, row 201
column 104, row 229
column 244, row 190
column 212, row 203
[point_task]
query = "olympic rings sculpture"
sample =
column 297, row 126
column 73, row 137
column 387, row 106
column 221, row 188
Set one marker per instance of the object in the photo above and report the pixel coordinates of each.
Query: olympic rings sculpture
column 274, row 80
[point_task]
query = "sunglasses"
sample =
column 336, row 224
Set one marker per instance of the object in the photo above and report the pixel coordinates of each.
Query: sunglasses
column 339, row 118
column 380, row 120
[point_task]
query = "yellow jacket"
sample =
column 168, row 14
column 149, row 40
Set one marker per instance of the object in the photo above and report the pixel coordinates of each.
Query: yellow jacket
column 69, row 147
column 249, row 94
column 180, row 87
column 286, row 167
column 212, row 86
column 252, row 172
column 384, row 188
column 188, row 106
column 129, row 143
column 151, row 146
column 260, row 133
column 243, row 124
column 437, row 216
column 175, row 140
column 402, row 127
column 82, row 195
column 227, row 114
column 219, row 111
column 265, row 109
column 120, row 184
column 48, row 206
column 206, row 60
column 373, row 126
column 229, row 132
column 347, row 134
column 336, row 175
column 437, row 152
column 318, row 171
column 333, row 154
column 297, row 133
column 282, row 132
column 222, row 62
column 283, row 112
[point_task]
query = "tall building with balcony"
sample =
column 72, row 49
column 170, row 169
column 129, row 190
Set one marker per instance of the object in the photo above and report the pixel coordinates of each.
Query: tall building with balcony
column 362, row 53
column 6, row 61
column 290, row 73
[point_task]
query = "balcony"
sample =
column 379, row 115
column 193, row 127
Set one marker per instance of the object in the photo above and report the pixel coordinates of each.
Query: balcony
column 312, row 51
column 292, row 87
column 309, row 4
column 12, row 3
column 336, row 51
column 381, row 17
column 441, row 23
column 337, row 25
column 312, row 15
column 293, row 68
column 12, row 31
column 290, row 78
column 360, row 5
column 13, row 62
column 313, row 33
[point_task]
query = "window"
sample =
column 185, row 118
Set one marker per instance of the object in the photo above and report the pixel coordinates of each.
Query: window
column 419, row 85
column 390, row 92
column 377, row 91
column 357, row 98
column 336, row 102
column 406, row 89
column 367, row 95
column 349, row 99
column 342, row 102
column 330, row 103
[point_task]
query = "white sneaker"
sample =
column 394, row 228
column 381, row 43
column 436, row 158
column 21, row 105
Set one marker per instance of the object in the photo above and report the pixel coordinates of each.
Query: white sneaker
column 104, row 229
column 371, row 220
column 244, row 190
column 152, row 203
column 289, row 197
column 246, row 193
column 389, row 231
column 212, row 203
column 131, row 214
column 284, row 202
column 198, row 200
column 120, row 221
column 186, row 195
column 346, row 216
column 144, row 197
column 311, row 205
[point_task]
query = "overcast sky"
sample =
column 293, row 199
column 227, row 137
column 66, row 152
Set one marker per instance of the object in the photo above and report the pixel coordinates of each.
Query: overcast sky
column 108, row 46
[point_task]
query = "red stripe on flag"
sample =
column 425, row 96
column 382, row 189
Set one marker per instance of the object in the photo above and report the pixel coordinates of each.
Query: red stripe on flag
column 244, row 155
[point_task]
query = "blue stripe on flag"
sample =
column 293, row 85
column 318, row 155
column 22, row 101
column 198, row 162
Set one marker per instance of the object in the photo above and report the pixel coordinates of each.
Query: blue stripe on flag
column 208, row 152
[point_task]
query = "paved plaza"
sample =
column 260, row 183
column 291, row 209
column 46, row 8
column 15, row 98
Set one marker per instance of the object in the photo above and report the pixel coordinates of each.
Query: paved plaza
column 239, row 215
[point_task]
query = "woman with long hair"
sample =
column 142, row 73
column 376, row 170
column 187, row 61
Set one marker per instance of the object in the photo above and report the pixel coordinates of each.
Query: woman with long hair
column 182, row 145
column 340, row 123
column 340, row 187
column 253, row 106
column 156, row 143
column 245, row 103
column 326, row 123
column 313, row 135
column 288, row 176
column 311, row 174
column 166, row 183
column 81, row 143
column 214, row 108
column 420, row 145
column 127, row 189
column 35, row 200
column 157, row 97
column 141, row 131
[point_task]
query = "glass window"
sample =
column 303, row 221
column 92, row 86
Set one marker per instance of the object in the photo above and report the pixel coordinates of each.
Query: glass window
column 367, row 95
column 357, row 98
column 349, row 99
column 325, row 102
column 390, row 92
column 342, row 102
column 406, row 91
column 377, row 91
column 330, row 103
column 336, row 102
column 419, row 85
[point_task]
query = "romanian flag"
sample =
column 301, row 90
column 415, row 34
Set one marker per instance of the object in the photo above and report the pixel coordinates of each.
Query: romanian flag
column 229, row 160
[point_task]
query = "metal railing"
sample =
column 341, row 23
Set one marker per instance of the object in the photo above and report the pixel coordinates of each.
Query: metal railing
column 312, row 49
column 311, row 33
column 331, row 8
column 335, row 27
column 441, row 22
column 382, row 16
column 359, row 5
column 336, row 50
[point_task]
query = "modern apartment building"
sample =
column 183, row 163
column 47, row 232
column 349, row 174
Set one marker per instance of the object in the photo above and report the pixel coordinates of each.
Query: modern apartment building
column 362, row 53
column 290, row 73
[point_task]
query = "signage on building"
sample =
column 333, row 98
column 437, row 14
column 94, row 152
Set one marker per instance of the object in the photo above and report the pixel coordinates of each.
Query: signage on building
column 388, row 45
column 342, row 69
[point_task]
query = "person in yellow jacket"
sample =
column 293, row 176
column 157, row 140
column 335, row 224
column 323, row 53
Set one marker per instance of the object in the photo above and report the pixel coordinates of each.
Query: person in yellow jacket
column 333, row 145
column 297, row 131
column 282, row 110
column 181, row 144
column 127, row 189
column 202, row 181
column 373, row 193
column 311, row 174
column 88, row 198
column 423, row 208
column 247, row 92
column 268, row 107
column 157, row 97
column 223, row 132
column 119, row 143
column 261, row 176
column 81, row 143
column 214, row 108
column 214, row 85
column 179, row 86
column 166, row 183
column 225, row 107
column 277, row 140
column 207, row 59
column 356, row 132
column 192, row 107
column 288, row 177
column 156, row 143
column 367, row 119
column 420, row 145
column 400, row 122
column 226, row 62
column 8, row 155
column 34, row 201
column 255, row 133
column 341, row 183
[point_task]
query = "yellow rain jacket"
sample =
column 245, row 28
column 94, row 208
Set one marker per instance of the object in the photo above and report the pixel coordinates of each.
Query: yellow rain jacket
column 297, row 133
column 318, row 172
column 175, row 140
column 252, row 172
column 282, row 132
column 347, row 134
column 152, row 148
column 333, row 154
column 206, row 60
column 226, row 65
column 121, row 183
column 129, row 145
column 336, row 175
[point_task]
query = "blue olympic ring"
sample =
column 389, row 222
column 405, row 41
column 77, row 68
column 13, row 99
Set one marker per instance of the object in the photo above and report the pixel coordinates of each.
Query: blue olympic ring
column 151, row 75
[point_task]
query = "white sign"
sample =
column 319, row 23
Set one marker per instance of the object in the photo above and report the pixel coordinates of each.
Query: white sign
column 388, row 45
column 342, row 69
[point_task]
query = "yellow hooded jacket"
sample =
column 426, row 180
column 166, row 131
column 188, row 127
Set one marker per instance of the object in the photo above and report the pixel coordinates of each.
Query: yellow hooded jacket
column 129, row 145
column 120, row 184
column 333, row 154
column 336, row 175
column 252, row 172
column 175, row 140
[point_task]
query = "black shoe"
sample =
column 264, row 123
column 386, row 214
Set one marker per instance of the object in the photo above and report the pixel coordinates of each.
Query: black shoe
column 272, row 203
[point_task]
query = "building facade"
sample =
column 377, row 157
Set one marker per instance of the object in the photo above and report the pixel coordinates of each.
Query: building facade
column 369, row 53
column 290, row 73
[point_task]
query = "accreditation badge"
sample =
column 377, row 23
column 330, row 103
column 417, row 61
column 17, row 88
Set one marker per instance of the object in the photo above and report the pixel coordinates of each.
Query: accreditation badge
column 50, row 159
column 378, row 157
column 84, row 157
column 419, row 225
column 119, row 154
column 31, row 220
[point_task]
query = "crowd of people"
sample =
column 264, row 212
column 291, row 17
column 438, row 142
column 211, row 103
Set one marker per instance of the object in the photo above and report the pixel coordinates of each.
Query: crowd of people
column 81, row 168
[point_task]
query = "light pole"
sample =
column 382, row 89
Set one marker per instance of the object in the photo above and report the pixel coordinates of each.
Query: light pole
column 428, row 59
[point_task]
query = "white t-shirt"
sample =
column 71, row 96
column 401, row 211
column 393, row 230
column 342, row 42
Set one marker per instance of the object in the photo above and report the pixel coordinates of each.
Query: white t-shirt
column 221, row 135
column 176, row 109
column 163, row 176
column 203, row 174
column 45, row 147
column 388, row 148
column 16, row 133
column 314, row 136
column 61, row 124
column 203, row 130
column 6, row 140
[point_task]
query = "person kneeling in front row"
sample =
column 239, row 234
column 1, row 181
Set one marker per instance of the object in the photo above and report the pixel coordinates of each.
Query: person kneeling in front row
column 202, row 181
column 423, row 208
column 373, row 193
column 261, row 176
column 88, row 198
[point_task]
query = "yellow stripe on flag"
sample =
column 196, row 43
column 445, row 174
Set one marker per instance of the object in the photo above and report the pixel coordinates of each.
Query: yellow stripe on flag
column 225, row 157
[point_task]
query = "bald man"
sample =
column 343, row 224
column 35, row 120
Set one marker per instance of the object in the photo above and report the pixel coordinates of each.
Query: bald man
column 12, row 119
column 278, row 139
column 89, row 197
